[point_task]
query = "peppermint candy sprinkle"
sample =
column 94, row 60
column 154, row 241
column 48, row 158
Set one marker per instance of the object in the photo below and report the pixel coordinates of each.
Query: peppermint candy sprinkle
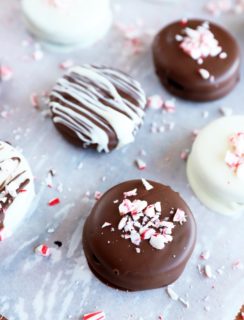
column 43, row 250
column 199, row 43
column 142, row 221
column 99, row 315
column 234, row 157
column 147, row 185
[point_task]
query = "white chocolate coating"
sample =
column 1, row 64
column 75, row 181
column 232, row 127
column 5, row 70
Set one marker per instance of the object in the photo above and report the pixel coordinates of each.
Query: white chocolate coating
column 213, row 181
column 16, row 189
column 68, row 22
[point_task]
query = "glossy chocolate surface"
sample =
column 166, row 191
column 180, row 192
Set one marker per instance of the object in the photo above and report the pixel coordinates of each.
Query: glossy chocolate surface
column 115, row 261
column 178, row 72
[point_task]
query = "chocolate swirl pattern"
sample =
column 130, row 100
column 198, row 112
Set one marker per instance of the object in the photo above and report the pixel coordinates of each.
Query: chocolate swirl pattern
column 16, row 188
column 100, row 106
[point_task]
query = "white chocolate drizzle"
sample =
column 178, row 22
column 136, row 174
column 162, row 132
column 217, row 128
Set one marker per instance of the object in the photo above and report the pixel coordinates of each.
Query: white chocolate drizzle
column 99, row 105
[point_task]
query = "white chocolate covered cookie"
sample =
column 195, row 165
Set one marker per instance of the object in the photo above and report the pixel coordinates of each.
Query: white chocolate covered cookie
column 68, row 22
column 16, row 189
column 215, row 167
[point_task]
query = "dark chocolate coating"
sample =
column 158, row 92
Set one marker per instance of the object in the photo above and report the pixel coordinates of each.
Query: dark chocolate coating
column 178, row 72
column 115, row 261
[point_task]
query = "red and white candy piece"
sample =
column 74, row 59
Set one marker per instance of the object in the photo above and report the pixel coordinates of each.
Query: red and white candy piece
column 6, row 73
column 169, row 106
column 98, row 195
column 43, row 250
column 237, row 142
column 200, row 43
column 66, row 64
column 179, row 216
column 155, row 102
column 125, row 207
column 98, row 315
column 54, row 202
column 130, row 193
column 234, row 158
column 231, row 159
column 141, row 165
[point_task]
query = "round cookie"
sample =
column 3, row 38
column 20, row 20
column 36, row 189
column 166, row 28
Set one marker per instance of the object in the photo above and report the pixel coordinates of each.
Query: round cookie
column 215, row 167
column 68, row 22
column 139, row 236
column 16, row 189
column 197, row 60
column 98, row 106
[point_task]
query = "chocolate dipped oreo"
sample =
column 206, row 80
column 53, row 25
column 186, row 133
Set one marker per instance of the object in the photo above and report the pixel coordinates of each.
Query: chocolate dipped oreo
column 98, row 106
column 197, row 60
column 139, row 236
column 67, row 24
column 215, row 166
column 16, row 189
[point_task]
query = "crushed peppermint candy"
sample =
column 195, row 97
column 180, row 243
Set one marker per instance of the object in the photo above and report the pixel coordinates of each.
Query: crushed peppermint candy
column 43, row 250
column 130, row 193
column 169, row 106
column 147, row 185
column 141, row 221
column 49, row 179
column 141, row 165
column 234, row 157
column 6, row 73
column 97, row 195
column 155, row 102
column 54, row 202
column 98, row 315
column 66, row 64
column 180, row 216
column 184, row 154
column 200, row 43
column 205, row 255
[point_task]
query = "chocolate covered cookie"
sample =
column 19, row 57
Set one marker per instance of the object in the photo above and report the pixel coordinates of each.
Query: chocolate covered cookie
column 16, row 189
column 67, row 24
column 98, row 106
column 197, row 60
column 215, row 166
column 139, row 236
